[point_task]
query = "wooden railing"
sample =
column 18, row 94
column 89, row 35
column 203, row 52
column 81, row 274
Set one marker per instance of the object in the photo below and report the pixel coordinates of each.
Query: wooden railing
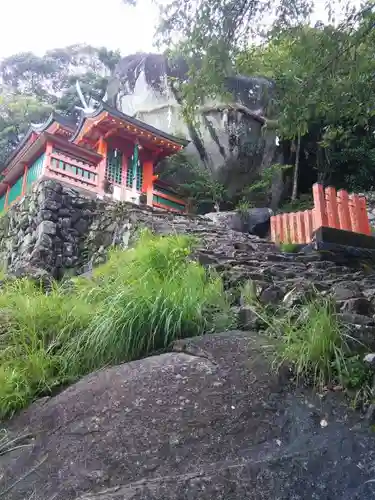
column 73, row 170
column 339, row 210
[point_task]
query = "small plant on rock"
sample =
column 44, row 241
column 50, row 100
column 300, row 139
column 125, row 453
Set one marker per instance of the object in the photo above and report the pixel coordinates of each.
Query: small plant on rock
column 289, row 247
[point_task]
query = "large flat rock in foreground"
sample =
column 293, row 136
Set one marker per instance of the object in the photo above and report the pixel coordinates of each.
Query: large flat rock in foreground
column 208, row 420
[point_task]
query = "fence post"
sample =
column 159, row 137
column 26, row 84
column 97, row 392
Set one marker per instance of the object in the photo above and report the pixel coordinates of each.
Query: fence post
column 285, row 226
column 308, row 225
column 273, row 228
column 320, row 212
column 355, row 212
column 332, row 212
column 343, row 209
column 301, row 236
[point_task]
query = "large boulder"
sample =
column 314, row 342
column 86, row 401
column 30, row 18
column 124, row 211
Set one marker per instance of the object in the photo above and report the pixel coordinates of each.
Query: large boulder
column 208, row 420
column 253, row 221
column 228, row 138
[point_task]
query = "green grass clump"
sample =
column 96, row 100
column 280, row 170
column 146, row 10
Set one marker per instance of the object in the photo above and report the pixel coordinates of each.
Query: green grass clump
column 316, row 345
column 310, row 339
column 33, row 325
column 289, row 247
column 155, row 295
column 137, row 302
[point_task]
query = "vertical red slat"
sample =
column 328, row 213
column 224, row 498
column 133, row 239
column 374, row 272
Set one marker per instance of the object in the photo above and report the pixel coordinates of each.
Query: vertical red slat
column 308, row 225
column 343, row 210
column 354, row 211
column 282, row 229
column 301, row 227
column 274, row 234
column 332, row 211
column 285, row 228
column 320, row 213
column 292, row 228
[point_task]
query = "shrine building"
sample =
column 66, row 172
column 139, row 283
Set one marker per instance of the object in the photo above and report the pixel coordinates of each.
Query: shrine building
column 107, row 154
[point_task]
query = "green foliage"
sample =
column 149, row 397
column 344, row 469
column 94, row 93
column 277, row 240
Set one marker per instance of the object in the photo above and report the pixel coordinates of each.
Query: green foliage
column 193, row 182
column 323, row 75
column 265, row 178
column 289, row 247
column 157, row 295
column 304, row 202
column 17, row 112
column 211, row 33
column 33, row 86
column 243, row 207
column 137, row 302
column 316, row 345
column 312, row 341
column 323, row 83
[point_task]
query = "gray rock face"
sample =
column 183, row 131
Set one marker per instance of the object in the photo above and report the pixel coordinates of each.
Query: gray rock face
column 255, row 221
column 208, row 420
column 228, row 138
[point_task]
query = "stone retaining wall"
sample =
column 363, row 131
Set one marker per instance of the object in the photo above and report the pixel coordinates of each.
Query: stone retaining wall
column 59, row 230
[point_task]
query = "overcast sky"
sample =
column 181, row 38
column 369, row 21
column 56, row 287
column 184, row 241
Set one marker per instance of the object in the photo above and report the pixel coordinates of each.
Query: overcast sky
column 39, row 25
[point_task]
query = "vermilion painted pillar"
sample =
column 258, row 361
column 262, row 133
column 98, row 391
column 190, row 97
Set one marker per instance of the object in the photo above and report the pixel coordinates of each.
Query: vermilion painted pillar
column 364, row 222
column 47, row 160
column 148, row 180
column 24, row 180
column 7, row 197
column 355, row 212
column 102, row 150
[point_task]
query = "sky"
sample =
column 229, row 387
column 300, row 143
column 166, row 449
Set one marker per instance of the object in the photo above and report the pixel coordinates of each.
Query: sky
column 40, row 25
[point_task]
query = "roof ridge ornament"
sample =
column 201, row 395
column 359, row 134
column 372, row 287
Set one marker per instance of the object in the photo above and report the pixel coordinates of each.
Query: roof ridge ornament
column 87, row 110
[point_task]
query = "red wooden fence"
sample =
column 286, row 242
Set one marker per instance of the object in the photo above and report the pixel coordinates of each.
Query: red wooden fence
column 339, row 210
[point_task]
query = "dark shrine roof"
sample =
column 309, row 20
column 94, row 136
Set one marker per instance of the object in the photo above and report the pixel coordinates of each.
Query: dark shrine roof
column 65, row 121
column 133, row 121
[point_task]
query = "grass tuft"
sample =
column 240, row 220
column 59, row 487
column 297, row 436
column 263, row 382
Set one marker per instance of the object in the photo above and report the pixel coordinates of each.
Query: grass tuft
column 312, row 341
column 139, row 301
column 315, row 345
column 155, row 296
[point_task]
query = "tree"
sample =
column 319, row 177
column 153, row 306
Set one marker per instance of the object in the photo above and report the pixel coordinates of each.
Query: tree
column 33, row 86
column 323, row 74
column 16, row 113
column 324, row 81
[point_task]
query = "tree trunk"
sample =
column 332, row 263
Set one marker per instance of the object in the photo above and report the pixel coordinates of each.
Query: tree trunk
column 296, row 169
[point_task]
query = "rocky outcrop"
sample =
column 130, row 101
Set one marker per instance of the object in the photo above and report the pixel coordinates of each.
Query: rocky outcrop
column 232, row 140
column 253, row 221
column 207, row 420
